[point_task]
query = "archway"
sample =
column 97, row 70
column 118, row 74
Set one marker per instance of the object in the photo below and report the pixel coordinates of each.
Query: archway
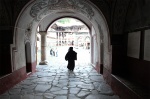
column 42, row 13
column 64, row 33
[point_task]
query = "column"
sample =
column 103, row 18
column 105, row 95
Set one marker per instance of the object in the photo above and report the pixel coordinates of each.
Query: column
column 61, row 38
column 43, row 48
column 57, row 38
column 67, row 39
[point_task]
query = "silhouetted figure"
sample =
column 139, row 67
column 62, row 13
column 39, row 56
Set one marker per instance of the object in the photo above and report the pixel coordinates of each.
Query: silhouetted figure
column 71, row 56
column 51, row 52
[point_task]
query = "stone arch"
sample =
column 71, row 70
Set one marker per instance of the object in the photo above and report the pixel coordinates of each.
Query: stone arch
column 36, row 13
column 70, row 17
column 73, row 17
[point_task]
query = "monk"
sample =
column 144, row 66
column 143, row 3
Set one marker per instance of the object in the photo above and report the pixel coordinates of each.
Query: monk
column 71, row 56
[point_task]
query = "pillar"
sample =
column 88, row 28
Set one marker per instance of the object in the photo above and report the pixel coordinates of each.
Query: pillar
column 43, row 48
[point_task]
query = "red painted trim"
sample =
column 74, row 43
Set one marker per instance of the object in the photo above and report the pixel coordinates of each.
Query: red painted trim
column 107, row 75
column 96, row 67
column 12, row 79
column 8, row 81
column 34, row 67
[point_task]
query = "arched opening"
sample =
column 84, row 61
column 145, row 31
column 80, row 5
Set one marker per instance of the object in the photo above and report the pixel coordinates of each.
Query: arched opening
column 62, row 34
column 94, row 19
column 34, row 15
column 28, row 57
column 42, row 13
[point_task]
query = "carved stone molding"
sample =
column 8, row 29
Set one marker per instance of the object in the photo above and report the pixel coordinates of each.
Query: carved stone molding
column 28, row 32
column 42, row 8
column 35, row 9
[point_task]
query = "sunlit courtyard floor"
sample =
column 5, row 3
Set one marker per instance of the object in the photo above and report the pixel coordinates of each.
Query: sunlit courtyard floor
column 83, row 56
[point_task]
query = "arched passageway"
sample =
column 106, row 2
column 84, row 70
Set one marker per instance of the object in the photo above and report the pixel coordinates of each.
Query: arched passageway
column 42, row 14
column 123, row 62
column 93, row 18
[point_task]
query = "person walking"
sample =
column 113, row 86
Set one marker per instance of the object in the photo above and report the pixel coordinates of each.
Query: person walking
column 51, row 52
column 71, row 56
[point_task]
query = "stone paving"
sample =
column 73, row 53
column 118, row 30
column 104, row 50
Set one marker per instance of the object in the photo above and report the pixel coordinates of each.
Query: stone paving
column 56, row 82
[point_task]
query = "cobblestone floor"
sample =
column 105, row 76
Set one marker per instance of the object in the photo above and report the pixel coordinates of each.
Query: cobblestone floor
column 56, row 82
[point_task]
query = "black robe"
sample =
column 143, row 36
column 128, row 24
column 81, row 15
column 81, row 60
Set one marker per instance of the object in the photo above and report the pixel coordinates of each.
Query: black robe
column 71, row 56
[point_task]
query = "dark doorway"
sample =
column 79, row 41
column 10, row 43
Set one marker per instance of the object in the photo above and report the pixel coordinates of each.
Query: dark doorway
column 5, row 60
column 28, row 57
